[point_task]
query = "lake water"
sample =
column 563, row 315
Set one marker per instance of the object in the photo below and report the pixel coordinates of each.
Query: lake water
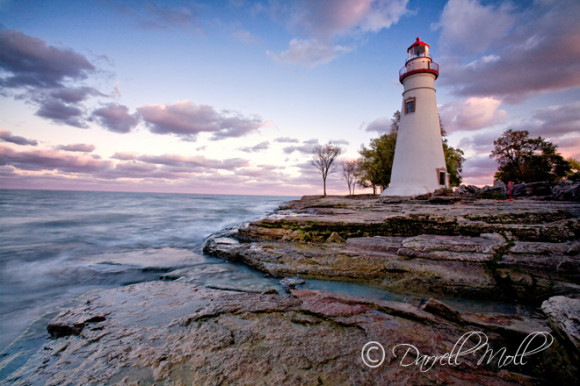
column 56, row 245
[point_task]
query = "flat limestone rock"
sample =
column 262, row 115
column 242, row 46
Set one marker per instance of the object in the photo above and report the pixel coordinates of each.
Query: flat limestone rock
column 564, row 317
column 177, row 333
column 523, row 250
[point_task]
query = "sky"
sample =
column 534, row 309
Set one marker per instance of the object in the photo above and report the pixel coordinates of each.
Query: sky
column 230, row 97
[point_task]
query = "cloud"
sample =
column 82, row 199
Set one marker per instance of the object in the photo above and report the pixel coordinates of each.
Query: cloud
column 125, row 156
column 570, row 147
column 531, row 50
column 320, row 22
column 325, row 18
column 74, row 95
column 52, row 160
column 29, row 61
column 135, row 168
column 245, row 37
column 309, row 52
column 187, row 119
column 556, row 121
column 470, row 27
column 115, row 117
column 472, row 114
column 252, row 149
column 194, row 161
column 63, row 113
column 479, row 142
column 379, row 125
column 155, row 16
column 78, row 147
column 7, row 136
column 44, row 72
column 479, row 170
column 286, row 140
column 307, row 147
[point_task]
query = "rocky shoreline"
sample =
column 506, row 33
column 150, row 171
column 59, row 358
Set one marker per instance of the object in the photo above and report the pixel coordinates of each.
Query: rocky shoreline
column 176, row 332
column 481, row 249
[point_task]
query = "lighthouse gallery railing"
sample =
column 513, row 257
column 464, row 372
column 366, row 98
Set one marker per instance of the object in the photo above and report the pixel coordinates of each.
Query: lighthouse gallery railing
column 419, row 66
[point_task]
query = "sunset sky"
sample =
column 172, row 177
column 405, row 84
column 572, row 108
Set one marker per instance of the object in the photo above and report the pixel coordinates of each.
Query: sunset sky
column 230, row 97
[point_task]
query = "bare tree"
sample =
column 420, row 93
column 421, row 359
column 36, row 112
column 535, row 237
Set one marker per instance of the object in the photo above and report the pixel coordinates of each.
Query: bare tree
column 322, row 157
column 350, row 174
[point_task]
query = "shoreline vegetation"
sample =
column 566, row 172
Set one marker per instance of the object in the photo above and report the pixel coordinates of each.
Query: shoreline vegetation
column 526, row 251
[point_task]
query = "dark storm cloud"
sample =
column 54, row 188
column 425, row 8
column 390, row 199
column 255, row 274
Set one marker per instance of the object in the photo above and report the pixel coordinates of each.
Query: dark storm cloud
column 7, row 136
column 115, row 117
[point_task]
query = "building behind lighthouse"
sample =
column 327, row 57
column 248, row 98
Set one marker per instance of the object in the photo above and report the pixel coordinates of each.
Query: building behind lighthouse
column 419, row 163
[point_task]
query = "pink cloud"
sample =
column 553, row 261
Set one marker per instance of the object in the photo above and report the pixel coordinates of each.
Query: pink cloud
column 324, row 18
column 472, row 114
column 309, row 52
column 52, row 160
column 465, row 25
column 125, row 156
column 194, row 161
column 186, row 119
column 556, row 121
column 7, row 136
column 79, row 147
column 536, row 49
column 319, row 22
column 116, row 118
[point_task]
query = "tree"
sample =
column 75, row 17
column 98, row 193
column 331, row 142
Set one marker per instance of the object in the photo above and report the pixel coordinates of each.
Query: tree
column 376, row 162
column 524, row 159
column 454, row 162
column 395, row 122
column 574, row 173
column 453, row 159
column 323, row 158
column 350, row 174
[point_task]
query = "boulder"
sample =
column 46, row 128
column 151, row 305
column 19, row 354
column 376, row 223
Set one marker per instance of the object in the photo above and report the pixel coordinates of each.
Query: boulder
column 564, row 317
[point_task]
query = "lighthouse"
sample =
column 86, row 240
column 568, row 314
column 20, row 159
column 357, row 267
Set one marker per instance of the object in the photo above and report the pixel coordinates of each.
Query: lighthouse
column 419, row 163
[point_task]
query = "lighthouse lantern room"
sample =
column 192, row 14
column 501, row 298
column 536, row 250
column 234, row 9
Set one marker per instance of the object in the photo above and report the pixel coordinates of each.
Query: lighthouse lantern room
column 419, row 163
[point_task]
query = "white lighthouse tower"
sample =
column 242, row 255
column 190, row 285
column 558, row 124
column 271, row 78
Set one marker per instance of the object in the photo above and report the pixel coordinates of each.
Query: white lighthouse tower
column 419, row 164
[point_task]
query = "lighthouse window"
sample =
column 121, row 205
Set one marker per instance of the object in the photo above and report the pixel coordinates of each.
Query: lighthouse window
column 441, row 178
column 410, row 105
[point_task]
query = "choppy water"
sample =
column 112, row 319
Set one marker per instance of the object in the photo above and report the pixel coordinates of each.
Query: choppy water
column 55, row 245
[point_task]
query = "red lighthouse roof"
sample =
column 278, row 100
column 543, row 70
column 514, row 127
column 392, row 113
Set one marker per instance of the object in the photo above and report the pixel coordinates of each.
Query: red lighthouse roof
column 418, row 42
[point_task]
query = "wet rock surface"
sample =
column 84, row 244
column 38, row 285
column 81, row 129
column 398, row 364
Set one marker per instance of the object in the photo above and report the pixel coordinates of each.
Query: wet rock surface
column 523, row 250
column 185, row 329
column 180, row 333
